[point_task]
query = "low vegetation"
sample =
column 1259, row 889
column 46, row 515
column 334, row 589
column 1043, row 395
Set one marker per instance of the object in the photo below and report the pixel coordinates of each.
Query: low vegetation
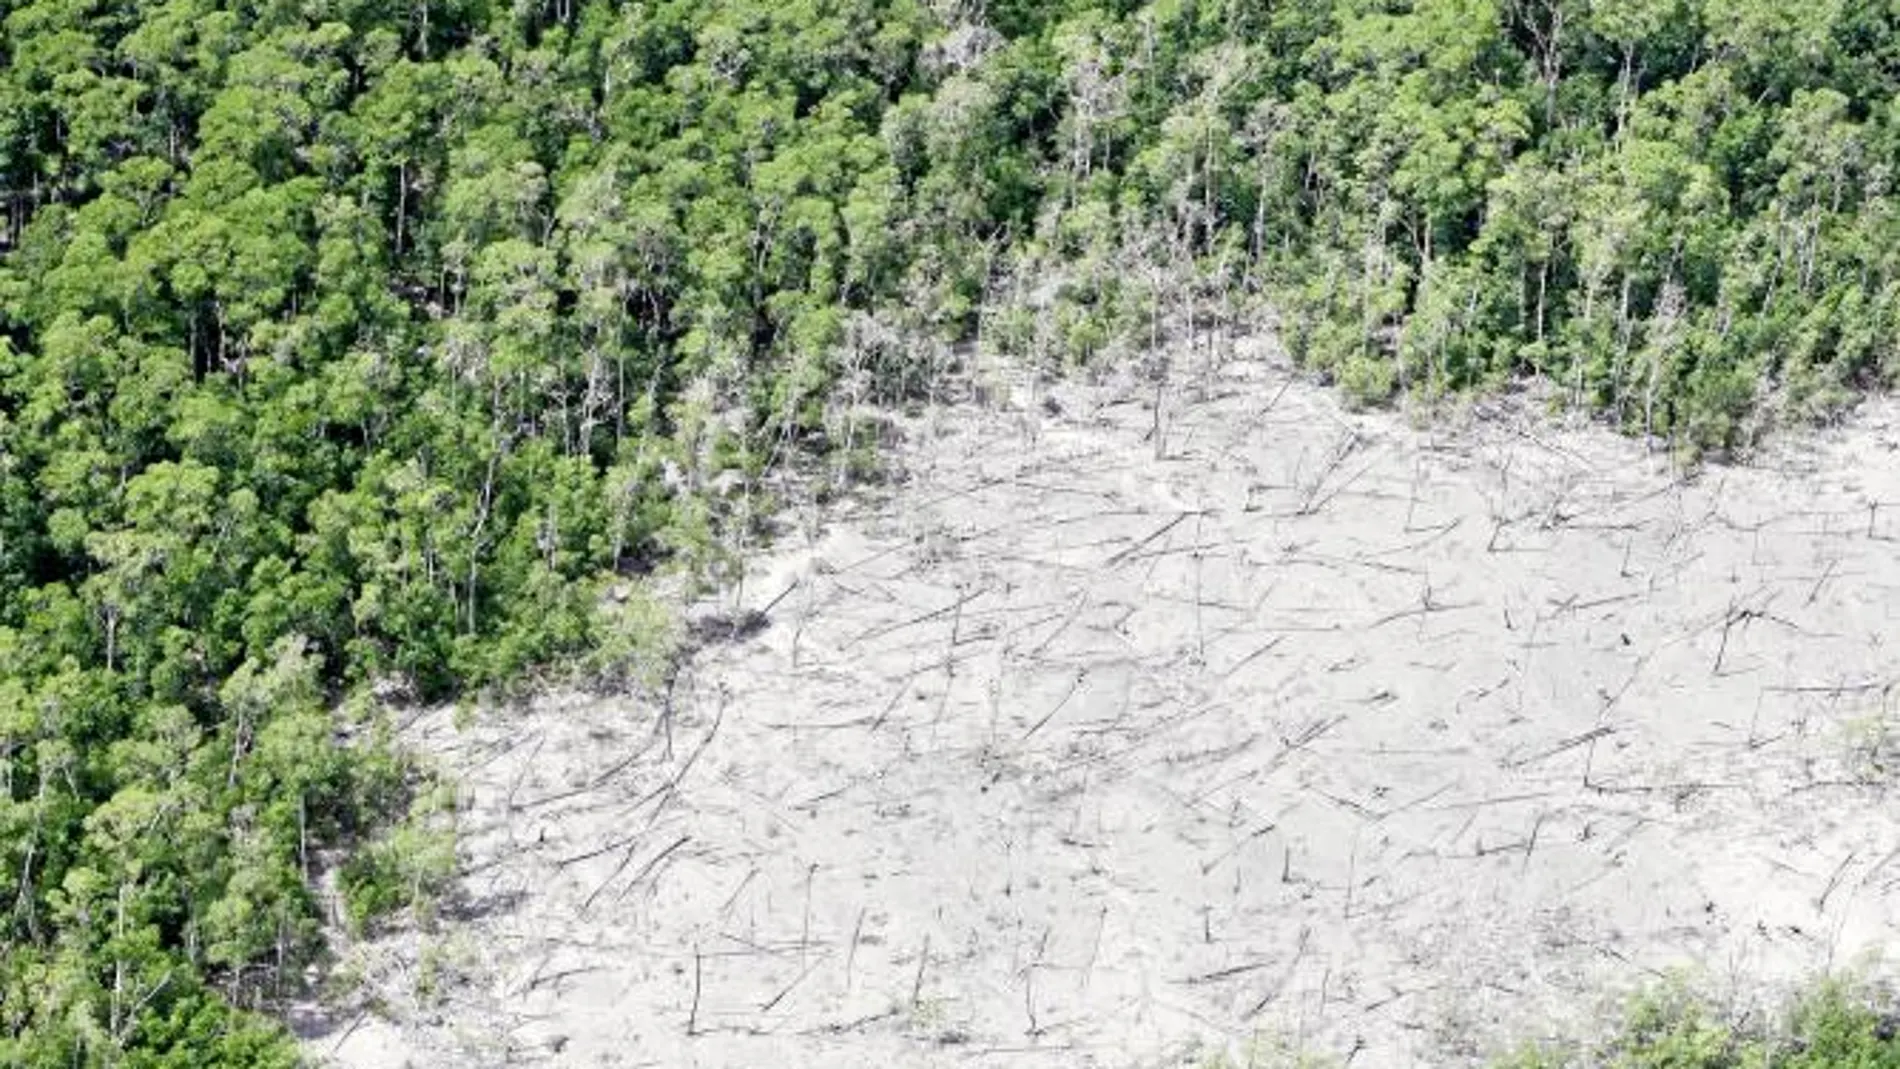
column 1836, row 1026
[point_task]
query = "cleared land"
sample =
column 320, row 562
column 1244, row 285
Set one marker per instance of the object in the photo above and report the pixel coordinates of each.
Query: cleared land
column 1306, row 727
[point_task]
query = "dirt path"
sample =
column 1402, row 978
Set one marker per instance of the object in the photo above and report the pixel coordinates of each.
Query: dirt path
column 1316, row 730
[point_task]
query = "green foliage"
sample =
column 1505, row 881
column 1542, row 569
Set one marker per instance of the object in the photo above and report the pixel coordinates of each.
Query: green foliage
column 346, row 345
column 638, row 639
column 1835, row 1026
column 342, row 348
column 406, row 868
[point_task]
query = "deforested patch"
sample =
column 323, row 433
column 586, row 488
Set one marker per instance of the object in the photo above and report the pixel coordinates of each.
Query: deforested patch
column 1300, row 730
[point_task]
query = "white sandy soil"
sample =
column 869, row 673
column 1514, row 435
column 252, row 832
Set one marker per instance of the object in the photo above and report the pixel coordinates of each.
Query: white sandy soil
column 1309, row 730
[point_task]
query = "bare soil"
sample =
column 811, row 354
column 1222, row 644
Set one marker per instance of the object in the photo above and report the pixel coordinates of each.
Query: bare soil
column 1298, row 729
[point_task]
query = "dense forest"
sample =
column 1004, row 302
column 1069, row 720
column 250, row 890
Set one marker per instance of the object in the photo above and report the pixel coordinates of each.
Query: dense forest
column 359, row 347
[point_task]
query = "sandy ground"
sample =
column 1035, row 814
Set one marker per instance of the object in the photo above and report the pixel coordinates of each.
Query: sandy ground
column 1308, row 730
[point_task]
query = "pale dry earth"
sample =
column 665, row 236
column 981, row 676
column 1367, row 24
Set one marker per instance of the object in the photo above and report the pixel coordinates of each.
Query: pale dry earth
column 1312, row 729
